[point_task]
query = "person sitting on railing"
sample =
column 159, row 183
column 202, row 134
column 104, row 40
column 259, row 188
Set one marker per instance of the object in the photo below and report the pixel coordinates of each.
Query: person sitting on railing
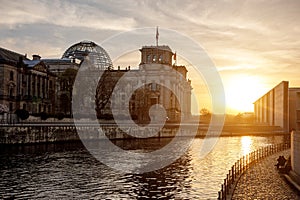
column 280, row 161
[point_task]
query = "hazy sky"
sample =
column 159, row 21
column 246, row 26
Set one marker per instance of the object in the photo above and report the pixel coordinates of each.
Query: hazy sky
column 254, row 44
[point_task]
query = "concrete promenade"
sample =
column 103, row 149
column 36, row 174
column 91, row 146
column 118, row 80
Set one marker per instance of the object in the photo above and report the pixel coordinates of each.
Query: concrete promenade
column 262, row 181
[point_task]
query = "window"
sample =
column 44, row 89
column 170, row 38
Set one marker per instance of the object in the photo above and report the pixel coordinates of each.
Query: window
column 149, row 59
column 133, row 106
column 33, row 88
column 10, row 107
column 298, row 114
column 160, row 58
column 133, row 97
column 11, row 76
column 23, row 78
column 153, row 101
column 11, row 92
column 154, row 58
column 153, row 87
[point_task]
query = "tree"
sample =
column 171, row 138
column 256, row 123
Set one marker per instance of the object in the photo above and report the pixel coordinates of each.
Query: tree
column 59, row 116
column 43, row 116
column 22, row 114
column 104, row 90
column 3, row 109
column 205, row 114
column 66, row 80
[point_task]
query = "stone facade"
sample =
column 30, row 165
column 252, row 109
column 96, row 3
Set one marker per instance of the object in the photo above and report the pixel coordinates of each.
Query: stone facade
column 162, row 78
column 65, row 69
column 46, row 85
column 26, row 84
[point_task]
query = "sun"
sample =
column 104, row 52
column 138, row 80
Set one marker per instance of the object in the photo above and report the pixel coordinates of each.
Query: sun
column 241, row 91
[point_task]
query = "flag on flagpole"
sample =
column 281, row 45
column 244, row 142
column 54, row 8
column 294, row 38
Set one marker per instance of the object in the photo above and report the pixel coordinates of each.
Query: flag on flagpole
column 157, row 34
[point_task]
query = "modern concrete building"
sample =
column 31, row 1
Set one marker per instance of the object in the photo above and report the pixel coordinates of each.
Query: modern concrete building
column 279, row 107
column 272, row 108
column 294, row 108
column 295, row 156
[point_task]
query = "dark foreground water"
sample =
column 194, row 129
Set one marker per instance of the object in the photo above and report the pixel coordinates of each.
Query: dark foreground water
column 68, row 171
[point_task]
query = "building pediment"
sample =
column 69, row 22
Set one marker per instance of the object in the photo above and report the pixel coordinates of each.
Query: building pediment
column 36, row 65
column 41, row 68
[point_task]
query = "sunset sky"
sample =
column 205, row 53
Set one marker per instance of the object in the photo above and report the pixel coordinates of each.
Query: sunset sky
column 254, row 44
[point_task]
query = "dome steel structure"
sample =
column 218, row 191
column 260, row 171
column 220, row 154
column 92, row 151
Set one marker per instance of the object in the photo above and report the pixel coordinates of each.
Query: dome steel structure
column 96, row 53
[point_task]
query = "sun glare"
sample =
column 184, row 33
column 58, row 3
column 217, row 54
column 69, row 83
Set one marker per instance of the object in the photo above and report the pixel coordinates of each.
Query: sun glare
column 241, row 91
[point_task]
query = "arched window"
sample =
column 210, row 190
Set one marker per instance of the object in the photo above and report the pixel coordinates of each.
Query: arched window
column 149, row 59
column 160, row 58
column 11, row 92
column 154, row 58
column 11, row 76
column 153, row 87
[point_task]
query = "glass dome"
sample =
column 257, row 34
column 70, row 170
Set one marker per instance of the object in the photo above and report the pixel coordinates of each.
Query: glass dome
column 100, row 57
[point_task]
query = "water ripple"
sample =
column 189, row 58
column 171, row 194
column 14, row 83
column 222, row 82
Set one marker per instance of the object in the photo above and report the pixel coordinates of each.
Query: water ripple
column 60, row 171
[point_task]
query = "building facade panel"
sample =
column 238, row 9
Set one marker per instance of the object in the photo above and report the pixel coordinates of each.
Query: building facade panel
column 272, row 108
column 295, row 152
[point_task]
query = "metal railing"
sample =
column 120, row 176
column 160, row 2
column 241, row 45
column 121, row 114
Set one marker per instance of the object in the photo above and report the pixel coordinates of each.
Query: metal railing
column 243, row 164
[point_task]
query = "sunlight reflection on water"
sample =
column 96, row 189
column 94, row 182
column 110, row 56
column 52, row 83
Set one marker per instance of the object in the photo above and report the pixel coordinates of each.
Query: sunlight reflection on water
column 64, row 171
column 246, row 142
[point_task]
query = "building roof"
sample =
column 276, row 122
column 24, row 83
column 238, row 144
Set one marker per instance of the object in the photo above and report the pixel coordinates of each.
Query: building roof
column 10, row 57
column 31, row 63
column 97, row 55
column 59, row 61
column 13, row 58
column 162, row 47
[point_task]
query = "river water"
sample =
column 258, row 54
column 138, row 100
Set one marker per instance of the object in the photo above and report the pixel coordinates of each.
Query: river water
column 68, row 171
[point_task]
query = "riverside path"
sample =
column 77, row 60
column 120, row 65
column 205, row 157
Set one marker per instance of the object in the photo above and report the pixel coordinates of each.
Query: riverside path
column 262, row 181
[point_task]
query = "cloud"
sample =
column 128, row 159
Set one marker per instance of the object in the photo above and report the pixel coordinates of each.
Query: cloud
column 63, row 13
column 253, row 36
column 239, row 67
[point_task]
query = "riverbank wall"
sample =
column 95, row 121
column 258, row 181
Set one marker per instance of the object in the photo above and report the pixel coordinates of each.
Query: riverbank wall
column 45, row 133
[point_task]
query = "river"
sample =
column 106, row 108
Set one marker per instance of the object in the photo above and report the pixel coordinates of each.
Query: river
column 68, row 171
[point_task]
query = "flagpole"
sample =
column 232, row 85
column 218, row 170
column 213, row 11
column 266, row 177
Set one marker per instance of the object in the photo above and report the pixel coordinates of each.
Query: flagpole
column 157, row 34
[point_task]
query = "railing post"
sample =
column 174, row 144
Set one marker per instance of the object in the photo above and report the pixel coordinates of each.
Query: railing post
column 225, row 186
column 247, row 161
column 221, row 196
column 241, row 171
column 238, row 166
column 232, row 176
column 228, row 182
